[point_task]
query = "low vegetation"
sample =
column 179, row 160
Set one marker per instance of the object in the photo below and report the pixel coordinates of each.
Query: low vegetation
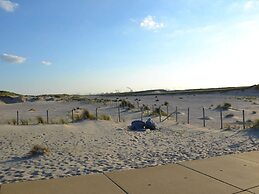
column 127, row 104
column 229, row 116
column 255, row 124
column 224, row 107
column 157, row 112
column 40, row 120
column 63, row 121
column 104, row 117
column 24, row 122
column 38, row 150
column 83, row 115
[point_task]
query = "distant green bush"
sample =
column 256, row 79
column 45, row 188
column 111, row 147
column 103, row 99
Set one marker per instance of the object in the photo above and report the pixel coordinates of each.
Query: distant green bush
column 12, row 122
column 85, row 114
column 229, row 115
column 127, row 104
column 157, row 111
column 104, row 117
column 63, row 121
column 24, row 122
column 38, row 150
column 256, row 124
column 225, row 106
column 40, row 120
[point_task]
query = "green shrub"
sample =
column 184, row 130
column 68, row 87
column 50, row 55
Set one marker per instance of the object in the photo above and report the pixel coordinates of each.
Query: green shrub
column 40, row 120
column 229, row 115
column 63, row 121
column 145, row 108
column 12, row 122
column 85, row 114
column 104, row 117
column 166, row 103
column 156, row 112
column 38, row 150
column 127, row 104
column 24, row 122
column 256, row 124
column 225, row 106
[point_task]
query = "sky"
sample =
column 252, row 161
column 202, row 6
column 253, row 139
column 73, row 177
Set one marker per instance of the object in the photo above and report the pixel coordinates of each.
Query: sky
column 88, row 47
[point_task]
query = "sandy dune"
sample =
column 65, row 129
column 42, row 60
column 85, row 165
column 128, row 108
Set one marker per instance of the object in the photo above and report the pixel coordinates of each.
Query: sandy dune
column 99, row 146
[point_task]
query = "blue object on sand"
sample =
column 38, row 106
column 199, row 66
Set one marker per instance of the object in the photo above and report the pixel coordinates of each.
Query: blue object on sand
column 150, row 124
column 138, row 125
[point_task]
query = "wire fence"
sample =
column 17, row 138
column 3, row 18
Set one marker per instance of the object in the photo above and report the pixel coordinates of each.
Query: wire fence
column 203, row 117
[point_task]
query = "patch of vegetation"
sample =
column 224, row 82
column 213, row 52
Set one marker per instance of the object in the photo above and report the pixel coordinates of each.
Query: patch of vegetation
column 145, row 108
column 127, row 104
column 255, row 124
column 85, row 114
column 12, row 122
column 157, row 111
column 253, row 112
column 24, row 122
column 104, row 117
column 40, row 120
column 6, row 93
column 78, row 98
column 229, row 116
column 224, row 107
column 63, row 121
column 38, row 150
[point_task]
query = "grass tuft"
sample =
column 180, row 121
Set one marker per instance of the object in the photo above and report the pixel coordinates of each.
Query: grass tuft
column 104, row 117
column 38, row 150
column 40, row 120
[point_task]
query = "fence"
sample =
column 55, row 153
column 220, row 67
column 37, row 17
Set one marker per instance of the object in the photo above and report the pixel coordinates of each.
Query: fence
column 204, row 117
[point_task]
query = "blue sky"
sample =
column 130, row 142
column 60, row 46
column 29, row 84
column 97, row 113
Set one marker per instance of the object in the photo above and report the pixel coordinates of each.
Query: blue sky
column 85, row 46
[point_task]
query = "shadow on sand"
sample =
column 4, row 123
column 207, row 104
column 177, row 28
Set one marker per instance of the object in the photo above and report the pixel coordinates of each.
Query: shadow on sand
column 21, row 159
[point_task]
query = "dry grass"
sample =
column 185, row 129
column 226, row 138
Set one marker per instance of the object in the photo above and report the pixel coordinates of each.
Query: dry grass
column 38, row 150
column 40, row 120
column 104, row 117
column 255, row 124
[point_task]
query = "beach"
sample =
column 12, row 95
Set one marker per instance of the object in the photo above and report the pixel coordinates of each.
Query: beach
column 97, row 146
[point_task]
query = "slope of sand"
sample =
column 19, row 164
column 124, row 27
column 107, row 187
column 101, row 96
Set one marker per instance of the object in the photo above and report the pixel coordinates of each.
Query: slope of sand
column 95, row 147
column 100, row 146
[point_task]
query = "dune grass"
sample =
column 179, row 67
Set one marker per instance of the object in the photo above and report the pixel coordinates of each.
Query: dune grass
column 38, row 150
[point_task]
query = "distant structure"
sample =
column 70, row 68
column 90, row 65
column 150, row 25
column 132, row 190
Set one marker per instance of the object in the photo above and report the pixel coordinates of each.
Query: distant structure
column 130, row 89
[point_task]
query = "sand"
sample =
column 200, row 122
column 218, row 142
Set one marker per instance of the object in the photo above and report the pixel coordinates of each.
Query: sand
column 102, row 146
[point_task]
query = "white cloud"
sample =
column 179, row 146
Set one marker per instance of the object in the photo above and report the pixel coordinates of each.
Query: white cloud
column 251, row 4
column 12, row 58
column 8, row 6
column 150, row 23
column 46, row 63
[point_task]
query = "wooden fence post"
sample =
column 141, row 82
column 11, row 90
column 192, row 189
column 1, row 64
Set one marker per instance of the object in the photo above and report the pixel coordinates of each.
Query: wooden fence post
column 203, row 112
column 188, row 116
column 244, row 122
column 221, row 120
column 141, row 115
column 160, row 116
column 17, row 117
column 96, row 113
column 47, row 116
column 176, row 114
column 72, row 115
column 119, row 114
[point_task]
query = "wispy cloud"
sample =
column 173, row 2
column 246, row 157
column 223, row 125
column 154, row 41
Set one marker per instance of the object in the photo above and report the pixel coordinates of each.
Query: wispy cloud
column 12, row 58
column 46, row 63
column 251, row 4
column 150, row 23
column 8, row 5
